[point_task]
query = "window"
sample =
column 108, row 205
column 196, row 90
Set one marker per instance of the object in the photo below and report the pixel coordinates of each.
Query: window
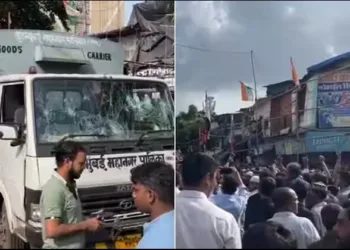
column 116, row 109
column 12, row 101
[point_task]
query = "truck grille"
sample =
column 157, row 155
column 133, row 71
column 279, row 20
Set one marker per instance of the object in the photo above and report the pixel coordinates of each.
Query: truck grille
column 107, row 198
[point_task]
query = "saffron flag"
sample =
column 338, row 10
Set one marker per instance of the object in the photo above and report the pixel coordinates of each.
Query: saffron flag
column 295, row 76
column 247, row 93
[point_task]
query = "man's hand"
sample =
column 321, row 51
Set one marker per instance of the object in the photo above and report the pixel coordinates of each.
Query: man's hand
column 321, row 157
column 338, row 154
column 237, row 176
column 92, row 224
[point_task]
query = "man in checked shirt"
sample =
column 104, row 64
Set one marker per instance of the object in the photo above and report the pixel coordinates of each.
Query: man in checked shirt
column 62, row 220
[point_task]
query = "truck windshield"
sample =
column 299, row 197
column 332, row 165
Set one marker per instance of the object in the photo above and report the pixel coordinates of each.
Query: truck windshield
column 116, row 109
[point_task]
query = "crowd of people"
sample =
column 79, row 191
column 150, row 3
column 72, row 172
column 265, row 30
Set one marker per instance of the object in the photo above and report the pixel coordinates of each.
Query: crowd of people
column 239, row 206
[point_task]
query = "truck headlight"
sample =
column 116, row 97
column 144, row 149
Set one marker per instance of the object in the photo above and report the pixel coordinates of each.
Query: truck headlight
column 35, row 214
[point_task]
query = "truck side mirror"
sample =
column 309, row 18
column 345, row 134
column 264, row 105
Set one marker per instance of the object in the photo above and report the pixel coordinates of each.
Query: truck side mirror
column 8, row 132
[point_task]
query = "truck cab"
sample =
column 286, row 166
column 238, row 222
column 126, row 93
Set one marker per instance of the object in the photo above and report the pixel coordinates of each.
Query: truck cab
column 56, row 86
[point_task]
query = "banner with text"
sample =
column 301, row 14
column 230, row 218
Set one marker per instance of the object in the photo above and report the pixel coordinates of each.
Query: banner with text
column 327, row 142
column 333, row 101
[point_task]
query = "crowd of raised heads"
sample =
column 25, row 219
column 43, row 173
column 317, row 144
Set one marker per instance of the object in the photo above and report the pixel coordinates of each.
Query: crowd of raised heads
column 278, row 207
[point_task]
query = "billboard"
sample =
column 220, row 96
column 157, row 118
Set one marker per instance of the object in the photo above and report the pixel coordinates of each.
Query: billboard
column 327, row 142
column 333, row 101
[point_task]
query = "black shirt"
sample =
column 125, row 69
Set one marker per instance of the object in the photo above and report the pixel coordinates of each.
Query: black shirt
column 259, row 209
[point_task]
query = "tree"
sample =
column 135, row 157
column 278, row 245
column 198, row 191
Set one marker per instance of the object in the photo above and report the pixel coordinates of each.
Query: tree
column 188, row 125
column 36, row 15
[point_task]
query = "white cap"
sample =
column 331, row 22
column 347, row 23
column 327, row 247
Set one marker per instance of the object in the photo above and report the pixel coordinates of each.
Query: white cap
column 255, row 179
column 249, row 173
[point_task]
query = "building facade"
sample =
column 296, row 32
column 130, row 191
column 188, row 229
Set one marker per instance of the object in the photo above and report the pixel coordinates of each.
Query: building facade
column 87, row 17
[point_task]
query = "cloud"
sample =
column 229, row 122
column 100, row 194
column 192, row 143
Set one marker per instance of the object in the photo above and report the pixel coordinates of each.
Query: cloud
column 290, row 10
column 211, row 16
column 275, row 30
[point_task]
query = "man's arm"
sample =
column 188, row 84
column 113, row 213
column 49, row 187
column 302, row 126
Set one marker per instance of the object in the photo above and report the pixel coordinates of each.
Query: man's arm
column 52, row 204
column 242, row 190
column 337, row 169
column 55, row 230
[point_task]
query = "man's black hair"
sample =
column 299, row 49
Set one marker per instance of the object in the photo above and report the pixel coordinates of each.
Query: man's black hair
column 229, row 184
column 264, row 173
column 301, row 189
column 307, row 177
column 334, row 190
column 321, row 193
column 294, row 169
column 268, row 235
column 345, row 177
column 329, row 215
column 281, row 174
column 281, row 197
column 266, row 186
column 319, row 177
column 67, row 150
column 157, row 176
column 196, row 166
column 346, row 204
column 280, row 181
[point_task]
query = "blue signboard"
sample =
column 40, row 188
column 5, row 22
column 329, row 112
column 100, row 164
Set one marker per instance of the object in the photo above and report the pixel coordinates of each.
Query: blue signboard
column 327, row 142
column 333, row 101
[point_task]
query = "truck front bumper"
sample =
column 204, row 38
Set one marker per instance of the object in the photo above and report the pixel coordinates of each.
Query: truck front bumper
column 33, row 235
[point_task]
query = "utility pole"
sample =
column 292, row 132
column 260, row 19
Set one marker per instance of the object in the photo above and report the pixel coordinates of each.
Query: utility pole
column 85, row 17
column 9, row 20
column 295, row 103
column 256, row 99
column 296, row 96
column 208, row 108
column 231, row 140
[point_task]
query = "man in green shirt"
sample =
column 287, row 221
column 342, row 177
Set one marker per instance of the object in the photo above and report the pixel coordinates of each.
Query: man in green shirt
column 63, row 225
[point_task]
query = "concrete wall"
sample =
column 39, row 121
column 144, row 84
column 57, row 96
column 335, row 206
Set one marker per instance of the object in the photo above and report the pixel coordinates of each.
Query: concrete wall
column 280, row 115
column 263, row 110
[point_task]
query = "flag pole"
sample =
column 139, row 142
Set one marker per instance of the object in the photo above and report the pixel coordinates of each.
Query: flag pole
column 206, row 114
column 295, row 79
column 254, row 77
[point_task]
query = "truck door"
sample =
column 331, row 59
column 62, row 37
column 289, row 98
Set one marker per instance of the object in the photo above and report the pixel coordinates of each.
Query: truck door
column 13, row 158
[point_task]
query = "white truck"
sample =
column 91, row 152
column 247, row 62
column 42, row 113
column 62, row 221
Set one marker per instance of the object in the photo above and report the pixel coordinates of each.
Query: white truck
column 56, row 86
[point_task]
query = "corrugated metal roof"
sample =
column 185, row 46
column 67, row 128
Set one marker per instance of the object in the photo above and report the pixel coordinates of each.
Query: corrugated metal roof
column 329, row 63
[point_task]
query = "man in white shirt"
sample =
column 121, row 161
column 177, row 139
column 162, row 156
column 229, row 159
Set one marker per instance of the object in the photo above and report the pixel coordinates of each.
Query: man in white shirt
column 200, row 223
column 286, row 205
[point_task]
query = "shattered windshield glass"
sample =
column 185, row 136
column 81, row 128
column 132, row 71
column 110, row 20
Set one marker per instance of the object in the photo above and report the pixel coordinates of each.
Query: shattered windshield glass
column 116, row 109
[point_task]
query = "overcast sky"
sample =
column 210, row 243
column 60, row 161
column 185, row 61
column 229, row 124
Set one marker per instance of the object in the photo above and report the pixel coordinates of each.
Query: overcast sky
column 128, row 9
column 310, row 32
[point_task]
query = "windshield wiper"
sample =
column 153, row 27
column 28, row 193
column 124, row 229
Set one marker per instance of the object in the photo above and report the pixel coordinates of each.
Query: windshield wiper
column 140, row 140
column 70, row 136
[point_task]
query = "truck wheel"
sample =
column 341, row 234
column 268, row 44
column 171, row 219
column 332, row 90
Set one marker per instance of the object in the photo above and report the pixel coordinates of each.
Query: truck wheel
column 8, row 240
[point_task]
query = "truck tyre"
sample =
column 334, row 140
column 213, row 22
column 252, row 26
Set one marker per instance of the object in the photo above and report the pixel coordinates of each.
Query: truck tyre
column 7, row 239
